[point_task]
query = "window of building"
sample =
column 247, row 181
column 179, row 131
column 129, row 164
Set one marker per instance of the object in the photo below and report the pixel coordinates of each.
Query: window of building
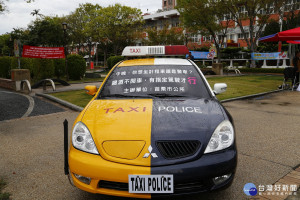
column 288, row 5
column 291, row 5
column 243, row 10
column 262, row 11
column 207, row 38
column 241, row 36
column 272, row 8
column 227, row 17
column 195, row 38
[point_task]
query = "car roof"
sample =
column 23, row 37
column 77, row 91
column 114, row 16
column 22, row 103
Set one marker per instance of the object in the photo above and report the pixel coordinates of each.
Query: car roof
column 155, row 61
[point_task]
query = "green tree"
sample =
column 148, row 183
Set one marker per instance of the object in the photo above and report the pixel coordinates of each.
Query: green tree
column 203, row 17
column 79, row 22
column 271, row 28
column 7, row 41
column 4, row 8
column 166, row 36
column 4, row 45
column 115, row 25
column 292, row 20
column 256, row 12
column 46, row 31
column 36, row 12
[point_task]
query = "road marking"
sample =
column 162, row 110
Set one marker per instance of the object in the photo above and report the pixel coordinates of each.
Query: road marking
column 31, row 103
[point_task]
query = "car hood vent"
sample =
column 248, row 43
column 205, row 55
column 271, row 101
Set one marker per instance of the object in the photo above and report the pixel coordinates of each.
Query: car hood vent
column 178, row 149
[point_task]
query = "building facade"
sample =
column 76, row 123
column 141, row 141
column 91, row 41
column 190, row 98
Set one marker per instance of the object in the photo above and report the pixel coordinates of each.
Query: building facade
column 168, row 5
column 234, row 37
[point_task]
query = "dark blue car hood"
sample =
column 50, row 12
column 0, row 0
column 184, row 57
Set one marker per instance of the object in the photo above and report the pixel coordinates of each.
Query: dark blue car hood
column 183, row 120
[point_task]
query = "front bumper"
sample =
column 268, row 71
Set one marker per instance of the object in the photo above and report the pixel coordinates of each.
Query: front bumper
column 112, row 178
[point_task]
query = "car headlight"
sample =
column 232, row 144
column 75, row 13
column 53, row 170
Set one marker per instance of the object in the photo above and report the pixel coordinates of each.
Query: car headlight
column 82, row 139
column 222, row 137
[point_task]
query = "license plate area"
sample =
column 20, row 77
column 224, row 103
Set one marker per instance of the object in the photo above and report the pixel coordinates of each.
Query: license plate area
column 151, row 183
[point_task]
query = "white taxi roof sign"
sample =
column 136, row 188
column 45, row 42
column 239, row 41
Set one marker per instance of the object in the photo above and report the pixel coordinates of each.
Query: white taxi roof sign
column 155, row 50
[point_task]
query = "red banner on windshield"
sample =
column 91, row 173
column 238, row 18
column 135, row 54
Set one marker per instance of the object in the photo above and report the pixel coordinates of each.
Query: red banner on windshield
column 43, row 52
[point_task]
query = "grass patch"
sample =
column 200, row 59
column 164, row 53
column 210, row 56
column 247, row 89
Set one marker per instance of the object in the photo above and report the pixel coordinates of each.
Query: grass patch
column 237, row 86
column 5, row 195
column 77, row 97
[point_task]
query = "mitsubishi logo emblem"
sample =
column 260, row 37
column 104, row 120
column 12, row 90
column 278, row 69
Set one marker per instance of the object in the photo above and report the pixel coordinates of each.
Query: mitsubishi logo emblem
column 148, row 154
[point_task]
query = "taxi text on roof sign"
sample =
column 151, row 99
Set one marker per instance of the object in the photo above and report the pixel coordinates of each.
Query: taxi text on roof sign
column 155, row 50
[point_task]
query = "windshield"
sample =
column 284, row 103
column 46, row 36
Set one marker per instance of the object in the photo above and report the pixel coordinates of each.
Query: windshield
column 154, row 81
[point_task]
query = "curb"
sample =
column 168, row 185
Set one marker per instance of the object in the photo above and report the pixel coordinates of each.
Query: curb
column 57, row 91
column 62, row 102
column 88, row 82
column 250, row 96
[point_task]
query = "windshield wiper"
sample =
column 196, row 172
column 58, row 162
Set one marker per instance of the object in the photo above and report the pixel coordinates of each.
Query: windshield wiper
column 162, row 95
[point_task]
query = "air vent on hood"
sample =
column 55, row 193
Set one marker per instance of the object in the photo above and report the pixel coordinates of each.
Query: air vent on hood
column 178, row 149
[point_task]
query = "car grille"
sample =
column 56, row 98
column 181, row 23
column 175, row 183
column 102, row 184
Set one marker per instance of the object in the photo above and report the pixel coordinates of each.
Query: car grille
column 113, row 185
column 178, row 149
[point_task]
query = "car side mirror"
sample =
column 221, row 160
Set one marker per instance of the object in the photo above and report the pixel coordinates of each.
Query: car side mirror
column 91, row 89
column 220, row 88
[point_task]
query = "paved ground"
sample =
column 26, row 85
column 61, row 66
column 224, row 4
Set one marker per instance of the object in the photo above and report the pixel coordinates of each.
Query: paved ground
column 267, row 138
column 17, row 105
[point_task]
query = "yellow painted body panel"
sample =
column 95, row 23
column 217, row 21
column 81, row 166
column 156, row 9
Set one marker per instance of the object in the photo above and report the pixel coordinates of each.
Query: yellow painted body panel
column 97, row 168
column 106, row 167
column 148, row 61
column 116, row 149
column 121, row 120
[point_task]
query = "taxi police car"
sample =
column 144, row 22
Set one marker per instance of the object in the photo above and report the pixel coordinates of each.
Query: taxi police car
column 154, row 127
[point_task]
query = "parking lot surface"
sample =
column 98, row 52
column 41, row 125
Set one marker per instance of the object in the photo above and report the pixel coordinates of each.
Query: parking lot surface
column 267, row 134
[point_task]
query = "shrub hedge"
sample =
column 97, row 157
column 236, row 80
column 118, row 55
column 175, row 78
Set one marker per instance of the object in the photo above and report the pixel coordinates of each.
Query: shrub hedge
column 14, row 63
column 27, row 63
column 5, row 66
column 43, row 68
column 112, row 60
column 59, row 67
column 76, row 66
